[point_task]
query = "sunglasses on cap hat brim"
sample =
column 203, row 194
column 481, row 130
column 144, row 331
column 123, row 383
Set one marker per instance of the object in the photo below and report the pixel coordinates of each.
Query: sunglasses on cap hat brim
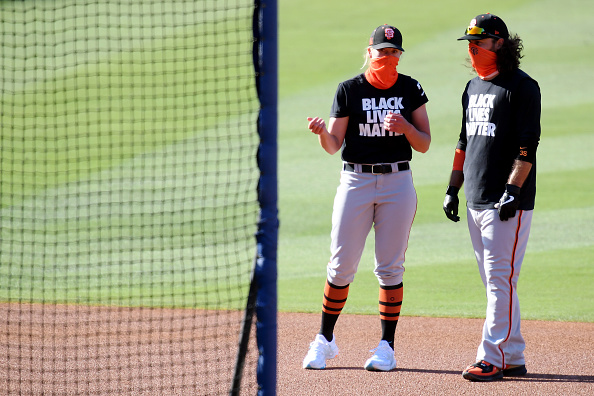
column 477, row 33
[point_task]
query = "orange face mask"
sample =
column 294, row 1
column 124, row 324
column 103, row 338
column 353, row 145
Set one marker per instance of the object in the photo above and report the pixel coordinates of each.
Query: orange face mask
column 382, row 72
column 483, row 61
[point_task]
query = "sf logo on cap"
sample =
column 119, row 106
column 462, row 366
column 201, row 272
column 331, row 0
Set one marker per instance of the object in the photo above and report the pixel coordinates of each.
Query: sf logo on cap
column 389, row 32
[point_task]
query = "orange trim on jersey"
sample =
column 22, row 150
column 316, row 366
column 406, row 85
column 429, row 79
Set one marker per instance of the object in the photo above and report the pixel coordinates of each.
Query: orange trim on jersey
column 459, row 158
column 390, row 302
column 334, row 298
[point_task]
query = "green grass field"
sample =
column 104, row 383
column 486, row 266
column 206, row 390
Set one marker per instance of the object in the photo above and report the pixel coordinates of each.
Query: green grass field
column 127, row 154
column 133, row 259
column 441, row 277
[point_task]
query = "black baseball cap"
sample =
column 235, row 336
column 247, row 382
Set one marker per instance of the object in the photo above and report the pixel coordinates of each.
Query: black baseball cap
column 386, row 36
column 484, row 26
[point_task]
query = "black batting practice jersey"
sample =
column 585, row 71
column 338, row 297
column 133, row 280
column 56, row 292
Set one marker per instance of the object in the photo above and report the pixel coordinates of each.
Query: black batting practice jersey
column 500, row 117
column 366, row 141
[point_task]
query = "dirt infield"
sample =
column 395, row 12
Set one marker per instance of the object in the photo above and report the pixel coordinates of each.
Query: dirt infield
column 431, row 355
column 48, row 349
column 81, row 350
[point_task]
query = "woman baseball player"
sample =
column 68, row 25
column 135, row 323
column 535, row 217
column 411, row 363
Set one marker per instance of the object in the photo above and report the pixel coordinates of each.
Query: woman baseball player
column 377, row 118
column 496, row 160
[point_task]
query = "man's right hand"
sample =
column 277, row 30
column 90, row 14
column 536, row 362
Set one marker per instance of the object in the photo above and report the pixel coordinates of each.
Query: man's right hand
column 451, row 203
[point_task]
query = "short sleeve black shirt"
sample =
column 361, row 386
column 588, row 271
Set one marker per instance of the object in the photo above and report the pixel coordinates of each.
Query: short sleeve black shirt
column 366, row 141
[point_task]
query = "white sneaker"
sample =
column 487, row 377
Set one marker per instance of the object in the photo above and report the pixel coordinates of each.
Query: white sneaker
column 383, row 359
column 320, row 350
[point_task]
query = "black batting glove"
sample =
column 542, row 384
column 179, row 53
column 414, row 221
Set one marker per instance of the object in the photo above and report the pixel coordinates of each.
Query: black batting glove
column 451, row 203
column 509, row 202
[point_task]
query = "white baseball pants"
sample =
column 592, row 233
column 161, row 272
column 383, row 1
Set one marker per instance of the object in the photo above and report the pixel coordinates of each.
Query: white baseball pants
column 499, row 247
column 386, row 201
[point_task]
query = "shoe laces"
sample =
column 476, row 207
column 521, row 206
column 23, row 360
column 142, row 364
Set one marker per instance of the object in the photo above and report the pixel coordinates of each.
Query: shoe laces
column 484, row 365
column 318, row 346
column 383, row 350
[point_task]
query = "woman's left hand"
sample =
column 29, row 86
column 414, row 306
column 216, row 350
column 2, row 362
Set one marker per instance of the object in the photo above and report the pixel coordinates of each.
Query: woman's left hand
column 395, row 122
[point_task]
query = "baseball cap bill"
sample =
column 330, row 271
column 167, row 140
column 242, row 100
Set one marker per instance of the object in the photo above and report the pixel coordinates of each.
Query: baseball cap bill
column 386, row 36
column 484, row 26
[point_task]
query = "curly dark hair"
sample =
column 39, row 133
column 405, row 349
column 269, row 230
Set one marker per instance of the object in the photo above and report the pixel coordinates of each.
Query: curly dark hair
column 509, row 55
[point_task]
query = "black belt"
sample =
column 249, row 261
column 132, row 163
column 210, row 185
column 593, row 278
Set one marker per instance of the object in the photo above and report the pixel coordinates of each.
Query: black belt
column 377, row 169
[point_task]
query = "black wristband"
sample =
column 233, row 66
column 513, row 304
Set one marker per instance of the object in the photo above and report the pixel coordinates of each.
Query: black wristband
column 513, row 190
column 452, row 190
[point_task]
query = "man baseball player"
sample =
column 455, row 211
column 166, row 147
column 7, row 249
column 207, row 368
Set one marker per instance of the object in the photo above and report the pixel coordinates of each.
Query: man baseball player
column 377, row 119
column 495, row 159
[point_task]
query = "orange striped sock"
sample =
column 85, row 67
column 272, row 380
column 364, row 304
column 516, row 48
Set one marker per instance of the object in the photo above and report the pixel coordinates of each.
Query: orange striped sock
column 334, row 300
column 390, row 302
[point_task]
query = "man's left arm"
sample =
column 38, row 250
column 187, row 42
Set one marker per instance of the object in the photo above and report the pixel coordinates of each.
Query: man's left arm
column 529, row 129
column 519, row 174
